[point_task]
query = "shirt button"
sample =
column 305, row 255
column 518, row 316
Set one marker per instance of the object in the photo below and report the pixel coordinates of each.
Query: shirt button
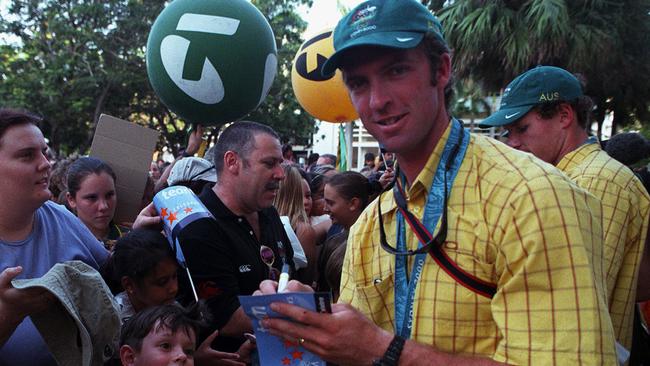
column 251, row 232
column 239, row 220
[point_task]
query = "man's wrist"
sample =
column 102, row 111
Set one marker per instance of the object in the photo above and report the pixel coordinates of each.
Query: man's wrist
column 392, row 354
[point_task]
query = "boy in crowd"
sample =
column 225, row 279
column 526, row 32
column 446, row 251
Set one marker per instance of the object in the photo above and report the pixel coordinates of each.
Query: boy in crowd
column 160, row 335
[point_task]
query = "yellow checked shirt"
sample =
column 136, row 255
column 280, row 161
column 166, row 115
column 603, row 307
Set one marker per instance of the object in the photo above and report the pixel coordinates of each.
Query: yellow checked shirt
column 516, row 222
column 626, row 206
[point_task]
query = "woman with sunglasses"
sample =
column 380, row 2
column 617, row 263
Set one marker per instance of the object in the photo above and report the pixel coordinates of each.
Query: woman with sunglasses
column 346, row 195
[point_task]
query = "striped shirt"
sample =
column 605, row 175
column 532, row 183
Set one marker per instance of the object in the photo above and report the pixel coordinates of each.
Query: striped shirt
column 513, row 221
column 626, row 206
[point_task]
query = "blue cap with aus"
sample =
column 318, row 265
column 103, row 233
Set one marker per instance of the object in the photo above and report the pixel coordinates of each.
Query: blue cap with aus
column 540, row 85
column 385, row 23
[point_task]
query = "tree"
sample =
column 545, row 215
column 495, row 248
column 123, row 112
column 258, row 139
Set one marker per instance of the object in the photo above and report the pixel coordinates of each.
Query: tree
column 281, row 109
column 76, row 59
column 606, row 42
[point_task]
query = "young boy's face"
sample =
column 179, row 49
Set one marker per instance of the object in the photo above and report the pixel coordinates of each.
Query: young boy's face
column 161, row 347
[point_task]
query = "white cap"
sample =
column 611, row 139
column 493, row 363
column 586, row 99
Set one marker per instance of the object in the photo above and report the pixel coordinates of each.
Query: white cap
column 190, row 170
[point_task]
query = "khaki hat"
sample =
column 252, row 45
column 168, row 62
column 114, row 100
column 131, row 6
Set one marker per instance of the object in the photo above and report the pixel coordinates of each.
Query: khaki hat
column 84, row 328
column 192, row 169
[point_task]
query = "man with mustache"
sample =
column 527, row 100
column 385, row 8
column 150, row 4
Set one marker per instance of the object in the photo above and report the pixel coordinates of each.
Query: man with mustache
column 246, row 243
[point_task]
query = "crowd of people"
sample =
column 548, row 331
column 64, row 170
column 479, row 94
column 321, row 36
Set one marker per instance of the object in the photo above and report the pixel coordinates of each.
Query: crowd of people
column 448, row 248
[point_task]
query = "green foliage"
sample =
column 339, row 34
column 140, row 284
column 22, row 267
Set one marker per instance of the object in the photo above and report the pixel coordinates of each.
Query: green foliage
column 75, row 59
column 606, row 42
column 281, row 110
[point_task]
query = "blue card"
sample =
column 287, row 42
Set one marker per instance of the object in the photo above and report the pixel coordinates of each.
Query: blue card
column 274, row 350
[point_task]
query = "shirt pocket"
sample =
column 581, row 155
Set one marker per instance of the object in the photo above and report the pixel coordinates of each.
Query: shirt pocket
column 469, row 246
column 377, row 301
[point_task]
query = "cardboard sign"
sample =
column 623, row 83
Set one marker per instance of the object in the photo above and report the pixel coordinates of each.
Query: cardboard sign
column 128, row 148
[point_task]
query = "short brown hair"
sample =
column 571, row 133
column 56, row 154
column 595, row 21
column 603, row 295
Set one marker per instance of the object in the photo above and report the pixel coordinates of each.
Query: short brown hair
column 434, row 48
column 582, row 106
column 14, row 117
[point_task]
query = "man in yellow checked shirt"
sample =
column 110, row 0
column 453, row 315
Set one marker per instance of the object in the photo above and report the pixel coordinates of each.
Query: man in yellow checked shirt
column 546, row 113
column 504, row 272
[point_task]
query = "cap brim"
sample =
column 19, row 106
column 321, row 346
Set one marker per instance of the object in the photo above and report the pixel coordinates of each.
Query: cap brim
column 505, row 116
column 402, row 40
column 210, row 176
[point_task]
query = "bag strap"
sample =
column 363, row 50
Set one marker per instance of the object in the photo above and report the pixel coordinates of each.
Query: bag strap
column 461, row 276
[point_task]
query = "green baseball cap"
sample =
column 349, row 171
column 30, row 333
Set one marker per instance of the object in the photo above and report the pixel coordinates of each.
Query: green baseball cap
column 387, row 23
column 536, row 86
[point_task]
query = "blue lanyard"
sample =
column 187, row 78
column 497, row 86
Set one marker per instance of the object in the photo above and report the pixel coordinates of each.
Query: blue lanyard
column 405, row 288
column 590, row 140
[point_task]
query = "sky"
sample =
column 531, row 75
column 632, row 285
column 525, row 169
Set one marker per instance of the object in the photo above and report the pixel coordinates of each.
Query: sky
column 324, row 14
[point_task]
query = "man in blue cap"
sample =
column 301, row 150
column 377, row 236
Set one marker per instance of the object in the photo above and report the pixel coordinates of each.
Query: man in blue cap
column 472, row 257
column 546, row 113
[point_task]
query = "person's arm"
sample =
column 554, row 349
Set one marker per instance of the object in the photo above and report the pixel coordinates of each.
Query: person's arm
column 161, row 183
column 16, row 304
column 194, row 141
column 205, row 355
column 347, row 337
column 148, row 218
column 321, row 229
column 307, row 237
column 238, row 324
column 193, row 145
column 643, row 283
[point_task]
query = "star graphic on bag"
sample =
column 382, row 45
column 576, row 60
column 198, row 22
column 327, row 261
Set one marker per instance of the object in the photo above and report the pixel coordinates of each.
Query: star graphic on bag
column 172, row 217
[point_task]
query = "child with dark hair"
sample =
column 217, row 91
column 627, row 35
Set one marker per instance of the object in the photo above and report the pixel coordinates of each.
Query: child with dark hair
column 142, row 271
column 161, row 335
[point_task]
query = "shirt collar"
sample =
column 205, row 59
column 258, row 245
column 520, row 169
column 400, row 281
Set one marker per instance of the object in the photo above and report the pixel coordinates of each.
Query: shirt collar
column 575, row 157
column 214, row 204
column 424, row 180
column 218, row 209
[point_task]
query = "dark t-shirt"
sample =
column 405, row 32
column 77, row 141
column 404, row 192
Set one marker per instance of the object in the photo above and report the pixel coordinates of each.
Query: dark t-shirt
column 223, row 256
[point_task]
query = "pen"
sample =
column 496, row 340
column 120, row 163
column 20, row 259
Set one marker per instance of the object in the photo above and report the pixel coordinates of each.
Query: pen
column 284, row 278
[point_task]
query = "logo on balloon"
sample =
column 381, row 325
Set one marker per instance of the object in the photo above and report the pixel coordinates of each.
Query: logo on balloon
column 211, row 61
column 173, row 52
column 325, row 98
column 301, row 60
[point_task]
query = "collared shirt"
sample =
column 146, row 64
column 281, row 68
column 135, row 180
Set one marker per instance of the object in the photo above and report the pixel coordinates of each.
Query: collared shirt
column 223, row 255
column 626, row 206
column 513, row 221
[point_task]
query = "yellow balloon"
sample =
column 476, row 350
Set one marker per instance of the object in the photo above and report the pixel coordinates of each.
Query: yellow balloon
column 324, row 98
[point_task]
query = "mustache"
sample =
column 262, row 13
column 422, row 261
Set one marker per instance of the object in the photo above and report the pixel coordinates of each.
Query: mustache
column 272, row 186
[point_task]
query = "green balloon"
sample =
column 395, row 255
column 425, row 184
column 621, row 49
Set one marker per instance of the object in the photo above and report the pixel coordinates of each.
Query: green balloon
column 211, row 61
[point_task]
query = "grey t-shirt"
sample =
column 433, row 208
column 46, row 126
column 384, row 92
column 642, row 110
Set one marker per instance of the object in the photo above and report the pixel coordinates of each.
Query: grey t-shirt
column 57, row 236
